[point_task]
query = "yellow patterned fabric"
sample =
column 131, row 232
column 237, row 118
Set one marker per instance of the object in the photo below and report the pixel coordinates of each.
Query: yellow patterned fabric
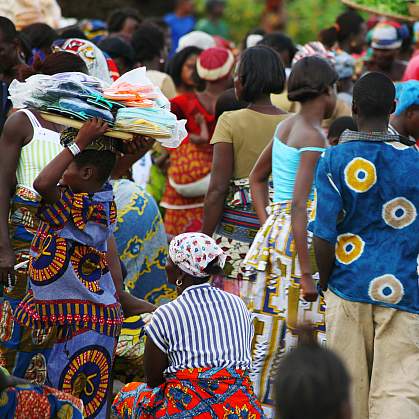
column 274, row 298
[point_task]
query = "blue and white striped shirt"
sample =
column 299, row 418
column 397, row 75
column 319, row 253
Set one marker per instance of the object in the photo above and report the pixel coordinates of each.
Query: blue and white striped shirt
column 203, row 328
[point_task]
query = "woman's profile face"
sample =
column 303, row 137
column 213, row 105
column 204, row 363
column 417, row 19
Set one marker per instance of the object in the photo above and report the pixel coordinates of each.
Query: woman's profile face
column 188, row 70
column 172, row 271
column 8, row 54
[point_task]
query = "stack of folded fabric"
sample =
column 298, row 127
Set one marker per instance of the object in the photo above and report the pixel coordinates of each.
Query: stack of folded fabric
column 132, row 104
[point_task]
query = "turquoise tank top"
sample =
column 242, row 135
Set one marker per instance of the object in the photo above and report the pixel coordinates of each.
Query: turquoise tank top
column 285, row 163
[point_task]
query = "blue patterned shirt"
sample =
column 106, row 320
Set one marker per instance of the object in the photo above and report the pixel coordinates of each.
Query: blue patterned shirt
column 367, row 205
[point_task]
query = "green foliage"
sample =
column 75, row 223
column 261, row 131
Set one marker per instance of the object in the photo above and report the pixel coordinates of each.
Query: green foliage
column 306, row 18
column 241, row 15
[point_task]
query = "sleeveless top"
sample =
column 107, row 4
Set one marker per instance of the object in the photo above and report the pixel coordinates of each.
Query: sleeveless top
column 44, row 146
column 285, row 163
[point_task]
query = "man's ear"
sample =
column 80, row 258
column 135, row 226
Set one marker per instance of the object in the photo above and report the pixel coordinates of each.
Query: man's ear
column 87, row 172
column 393, row 108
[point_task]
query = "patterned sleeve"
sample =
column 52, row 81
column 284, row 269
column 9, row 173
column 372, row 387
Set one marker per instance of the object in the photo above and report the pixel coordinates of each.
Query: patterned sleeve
column 58, row 213
column 328, row 202
column 156, row 330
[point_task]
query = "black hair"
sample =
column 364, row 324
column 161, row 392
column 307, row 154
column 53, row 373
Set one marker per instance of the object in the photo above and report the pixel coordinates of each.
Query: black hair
column 228, row 102
column 310, row 77
column 73, row 32
column 158, row 21
column 213, row 268
column 261, row 72
column 311, row 382
column 58, row 62
column 147, row 42
column 103, row 161
column 340, row 125
column 280, row 43
column 40, row 35
column 210, row 4
column 175, row 65
column 374, row 95
column 8, row 29
column 116, row 47
column 347, row 24
column 117, row 19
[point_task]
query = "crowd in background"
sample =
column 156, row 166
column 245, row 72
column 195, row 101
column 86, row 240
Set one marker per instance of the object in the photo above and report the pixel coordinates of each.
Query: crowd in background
column 294, row 195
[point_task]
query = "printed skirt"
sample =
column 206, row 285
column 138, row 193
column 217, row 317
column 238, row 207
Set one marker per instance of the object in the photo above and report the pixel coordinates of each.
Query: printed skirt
column 275, row 299
column 198, row 393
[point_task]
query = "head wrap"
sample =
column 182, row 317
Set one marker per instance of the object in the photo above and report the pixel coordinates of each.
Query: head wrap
column 215, row 64
column 93, row 57
column 386, row 36
column 407, row 95
column 193, row 252
column 344, row 64
column 196, row 39
column 314, row 48
column 253, row 39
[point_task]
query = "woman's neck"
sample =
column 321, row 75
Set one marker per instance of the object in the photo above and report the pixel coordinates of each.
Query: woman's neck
column 265, row 105
column 313, row 111
column 397, row 124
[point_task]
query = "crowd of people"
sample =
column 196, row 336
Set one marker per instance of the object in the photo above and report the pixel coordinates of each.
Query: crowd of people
column 265, row 268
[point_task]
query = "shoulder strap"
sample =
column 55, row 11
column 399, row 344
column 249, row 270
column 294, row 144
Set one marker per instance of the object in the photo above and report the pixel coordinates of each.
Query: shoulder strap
column 32, row 118
column 319, row 149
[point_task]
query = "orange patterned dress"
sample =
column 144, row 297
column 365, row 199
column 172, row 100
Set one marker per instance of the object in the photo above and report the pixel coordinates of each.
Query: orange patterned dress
column 188, row 163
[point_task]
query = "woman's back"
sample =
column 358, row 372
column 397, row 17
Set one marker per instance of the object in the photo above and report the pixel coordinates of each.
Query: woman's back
column 250, row 132
column 203, row 327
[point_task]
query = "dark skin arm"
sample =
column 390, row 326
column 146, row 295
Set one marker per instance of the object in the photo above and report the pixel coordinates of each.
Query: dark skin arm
column 155, row 362
column 131, row 306
column 46, row 184
column 203, row 137
column 134, row 151
column 221, row 174
column 325, row 257
column 299, row 220
column 16, row 133
column 259, row 183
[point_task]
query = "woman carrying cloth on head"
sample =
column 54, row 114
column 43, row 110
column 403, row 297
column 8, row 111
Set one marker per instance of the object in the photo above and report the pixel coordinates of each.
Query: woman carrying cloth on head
column 190, row 163
column 197, row 355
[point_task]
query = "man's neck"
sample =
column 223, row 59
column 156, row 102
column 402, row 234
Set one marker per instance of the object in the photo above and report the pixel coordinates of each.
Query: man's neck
column 373, row 125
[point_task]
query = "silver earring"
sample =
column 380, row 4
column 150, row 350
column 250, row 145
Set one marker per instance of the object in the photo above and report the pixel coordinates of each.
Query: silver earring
column 179, row 283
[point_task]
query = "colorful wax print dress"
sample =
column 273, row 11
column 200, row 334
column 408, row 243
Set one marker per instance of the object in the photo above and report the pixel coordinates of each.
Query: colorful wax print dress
column 72, row 289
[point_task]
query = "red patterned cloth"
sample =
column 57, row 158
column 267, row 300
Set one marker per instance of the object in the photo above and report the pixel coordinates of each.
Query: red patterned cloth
column 188, row 163
column 200, row 393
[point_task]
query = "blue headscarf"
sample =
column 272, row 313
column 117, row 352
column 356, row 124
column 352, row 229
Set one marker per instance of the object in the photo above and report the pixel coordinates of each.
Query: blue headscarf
column 407, row 95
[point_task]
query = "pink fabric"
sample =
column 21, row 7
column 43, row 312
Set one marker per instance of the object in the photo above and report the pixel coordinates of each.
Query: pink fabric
column 412, row 70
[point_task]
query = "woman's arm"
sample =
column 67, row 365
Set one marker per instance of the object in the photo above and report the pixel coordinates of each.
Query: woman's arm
column 203, row 136
column 17, row 130
column 221, row 174
column 131, row 306
column 155, row 362
column 302, row 189
column 259, row 182
column 46, row 184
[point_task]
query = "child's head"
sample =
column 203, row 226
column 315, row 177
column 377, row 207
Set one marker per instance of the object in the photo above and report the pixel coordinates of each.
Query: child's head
column 373, row 97
column 89, row 170
column 337, row 128
column 312, row 383
column 313, row 77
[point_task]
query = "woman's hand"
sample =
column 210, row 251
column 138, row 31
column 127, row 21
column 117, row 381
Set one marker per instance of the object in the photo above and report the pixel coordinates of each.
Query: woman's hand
column 92, row 129
column 308, row 288
column 138, row 146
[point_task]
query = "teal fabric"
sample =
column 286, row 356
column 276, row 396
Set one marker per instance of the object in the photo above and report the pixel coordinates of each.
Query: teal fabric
column 285, row 163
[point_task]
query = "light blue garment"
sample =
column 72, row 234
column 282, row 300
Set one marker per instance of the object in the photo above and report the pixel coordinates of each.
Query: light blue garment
column 407, row 95
column 285, row 163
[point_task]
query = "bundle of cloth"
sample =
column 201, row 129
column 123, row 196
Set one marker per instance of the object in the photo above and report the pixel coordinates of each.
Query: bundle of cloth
column 132, row 104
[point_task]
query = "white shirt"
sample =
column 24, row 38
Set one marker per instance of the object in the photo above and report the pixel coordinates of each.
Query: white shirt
column 203, row 328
